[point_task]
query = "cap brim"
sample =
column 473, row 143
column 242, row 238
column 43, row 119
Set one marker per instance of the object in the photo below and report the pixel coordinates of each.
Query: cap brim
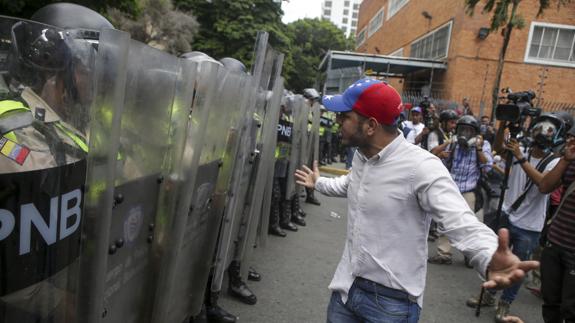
column 335, row 103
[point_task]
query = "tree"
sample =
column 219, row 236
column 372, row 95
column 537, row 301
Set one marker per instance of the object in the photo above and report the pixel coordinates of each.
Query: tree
column 26, row 8
column 503, row 17
column 311, row 39
column 159, row 26
column 229, row 28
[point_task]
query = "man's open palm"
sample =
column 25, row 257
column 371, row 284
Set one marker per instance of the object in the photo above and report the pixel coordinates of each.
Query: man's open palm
column 505, row 268
column 306, row 176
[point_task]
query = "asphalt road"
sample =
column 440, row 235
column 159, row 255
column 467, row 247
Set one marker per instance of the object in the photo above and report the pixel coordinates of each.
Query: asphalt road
column 296, row 271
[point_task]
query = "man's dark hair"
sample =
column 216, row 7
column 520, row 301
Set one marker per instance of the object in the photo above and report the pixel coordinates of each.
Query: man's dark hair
column 389, row 129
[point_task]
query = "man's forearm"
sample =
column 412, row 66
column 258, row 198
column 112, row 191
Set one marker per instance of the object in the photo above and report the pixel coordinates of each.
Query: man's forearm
column 552, row 179
column 532, row 173
column 439, row 148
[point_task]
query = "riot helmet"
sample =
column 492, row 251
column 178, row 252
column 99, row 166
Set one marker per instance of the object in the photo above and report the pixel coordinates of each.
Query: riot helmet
column 467, row 130
column 447, row 115
column 567, row 119
column 311, row 94
column 233, row 65
column 71, row 16
column 199, row 57
column 548, row 131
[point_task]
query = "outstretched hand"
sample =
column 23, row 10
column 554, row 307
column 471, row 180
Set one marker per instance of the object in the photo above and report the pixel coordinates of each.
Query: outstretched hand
column 505, row 268
column 306, row 176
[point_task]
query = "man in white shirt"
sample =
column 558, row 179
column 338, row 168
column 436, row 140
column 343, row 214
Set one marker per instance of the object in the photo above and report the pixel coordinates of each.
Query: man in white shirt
column 415, row 126
column 393, row 191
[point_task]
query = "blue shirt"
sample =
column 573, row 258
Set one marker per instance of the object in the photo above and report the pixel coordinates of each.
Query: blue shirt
column 465, row 168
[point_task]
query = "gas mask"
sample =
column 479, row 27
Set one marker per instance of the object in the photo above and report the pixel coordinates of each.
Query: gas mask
column 545, row 134
column 466, row 136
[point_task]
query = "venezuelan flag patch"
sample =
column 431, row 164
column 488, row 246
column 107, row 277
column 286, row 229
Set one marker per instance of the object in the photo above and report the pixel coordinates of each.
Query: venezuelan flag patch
column 14, row 151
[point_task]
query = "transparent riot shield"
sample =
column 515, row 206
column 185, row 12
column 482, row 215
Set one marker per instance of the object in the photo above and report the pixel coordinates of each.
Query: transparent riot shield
column 46, row 83
column 296, row 105
column 235, row 217
column 192, row 229
column 315, row 131
column 263, row 173
column 145, row 145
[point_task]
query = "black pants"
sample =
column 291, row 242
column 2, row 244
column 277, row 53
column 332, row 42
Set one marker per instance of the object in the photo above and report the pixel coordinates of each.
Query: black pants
column 558, row 284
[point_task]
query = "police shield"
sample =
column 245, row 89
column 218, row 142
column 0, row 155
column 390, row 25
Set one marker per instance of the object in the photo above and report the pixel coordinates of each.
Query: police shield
column 267, row 110
column 296, row 104
column 120, row 257
column 233, row 235
column 46, row 99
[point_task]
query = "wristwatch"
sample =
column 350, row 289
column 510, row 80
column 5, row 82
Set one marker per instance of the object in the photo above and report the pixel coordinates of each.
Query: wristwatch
column 522, row 160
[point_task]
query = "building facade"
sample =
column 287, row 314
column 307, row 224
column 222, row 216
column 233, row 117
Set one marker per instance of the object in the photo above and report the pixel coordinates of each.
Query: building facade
column 540, row 56
column 342, row 13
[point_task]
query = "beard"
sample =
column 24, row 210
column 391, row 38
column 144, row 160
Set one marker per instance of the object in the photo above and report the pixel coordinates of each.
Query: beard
column 356, row 139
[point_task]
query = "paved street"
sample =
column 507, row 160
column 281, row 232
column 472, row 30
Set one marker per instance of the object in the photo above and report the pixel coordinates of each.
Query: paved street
column 297, row 269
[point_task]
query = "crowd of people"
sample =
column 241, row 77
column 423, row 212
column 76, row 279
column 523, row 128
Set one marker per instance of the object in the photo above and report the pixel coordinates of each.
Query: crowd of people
column 540, row 153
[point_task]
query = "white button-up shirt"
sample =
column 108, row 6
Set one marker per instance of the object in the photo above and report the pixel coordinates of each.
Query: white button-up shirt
column 392, row 198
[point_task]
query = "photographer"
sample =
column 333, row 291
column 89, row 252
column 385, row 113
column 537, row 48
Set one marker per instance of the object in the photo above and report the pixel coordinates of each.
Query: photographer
column 465, row 158
column 558, row 256
column 438, row 138
column 524, row 207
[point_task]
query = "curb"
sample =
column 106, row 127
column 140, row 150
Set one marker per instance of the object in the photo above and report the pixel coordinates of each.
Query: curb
column 333, row 171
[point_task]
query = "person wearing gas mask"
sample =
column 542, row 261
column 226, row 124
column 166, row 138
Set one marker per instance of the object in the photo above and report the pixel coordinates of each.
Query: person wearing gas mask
column 524, row 207
column 558, row 255
column 465, row 156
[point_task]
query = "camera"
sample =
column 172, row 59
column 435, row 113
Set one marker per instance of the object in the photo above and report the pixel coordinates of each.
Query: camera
column 428, row 115
column 518, row 107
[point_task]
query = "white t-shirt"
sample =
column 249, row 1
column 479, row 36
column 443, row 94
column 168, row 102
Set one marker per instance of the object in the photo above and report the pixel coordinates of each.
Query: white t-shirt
column 531, row 213
column 416, row 129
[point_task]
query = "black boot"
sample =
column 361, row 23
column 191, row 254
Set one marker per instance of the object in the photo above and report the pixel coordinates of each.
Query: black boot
column 274, row 226
column 295, row 217
column 253, row 275
column 285, row 218
column 216, row 314
column 296, row 208
column 237, row 288
column 311, row 198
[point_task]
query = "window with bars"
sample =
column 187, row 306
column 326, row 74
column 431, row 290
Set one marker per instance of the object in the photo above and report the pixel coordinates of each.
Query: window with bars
column 354, row 23
column 345, row 12
column 327, row 4
column 375, row 23
column 551, row 44
column 344, row 20
column 346, row 4
column 354, row 15
column 395, row 6
column 327, row 13
column 355, row 6
column 433, row 45
column 361, row 36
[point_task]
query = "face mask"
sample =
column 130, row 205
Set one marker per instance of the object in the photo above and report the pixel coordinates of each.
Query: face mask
column 466, row 136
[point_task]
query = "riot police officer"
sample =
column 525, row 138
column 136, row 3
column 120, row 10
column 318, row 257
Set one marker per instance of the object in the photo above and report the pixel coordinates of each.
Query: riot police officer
column 46, row 94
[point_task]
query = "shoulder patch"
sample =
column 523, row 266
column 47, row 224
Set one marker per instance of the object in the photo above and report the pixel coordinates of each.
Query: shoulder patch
column 14, row 151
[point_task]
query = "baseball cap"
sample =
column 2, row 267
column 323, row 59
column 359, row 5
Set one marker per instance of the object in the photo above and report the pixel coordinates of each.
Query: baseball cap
column 416, row 109
column 370, row 98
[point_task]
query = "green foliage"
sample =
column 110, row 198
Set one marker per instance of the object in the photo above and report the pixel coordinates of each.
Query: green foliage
column 501, row 15
column 311, row 40
column 26, row 8
column 229, row 28
column 158, row 25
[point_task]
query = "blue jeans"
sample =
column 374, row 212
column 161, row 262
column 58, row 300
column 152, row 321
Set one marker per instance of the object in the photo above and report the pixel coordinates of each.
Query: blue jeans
column 349, row 152
column 370, row 302
column 522, row 242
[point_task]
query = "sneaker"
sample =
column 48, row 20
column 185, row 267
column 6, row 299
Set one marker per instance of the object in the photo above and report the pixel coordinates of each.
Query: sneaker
column 440, row 260
column 502, row 311
column 488, row 300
